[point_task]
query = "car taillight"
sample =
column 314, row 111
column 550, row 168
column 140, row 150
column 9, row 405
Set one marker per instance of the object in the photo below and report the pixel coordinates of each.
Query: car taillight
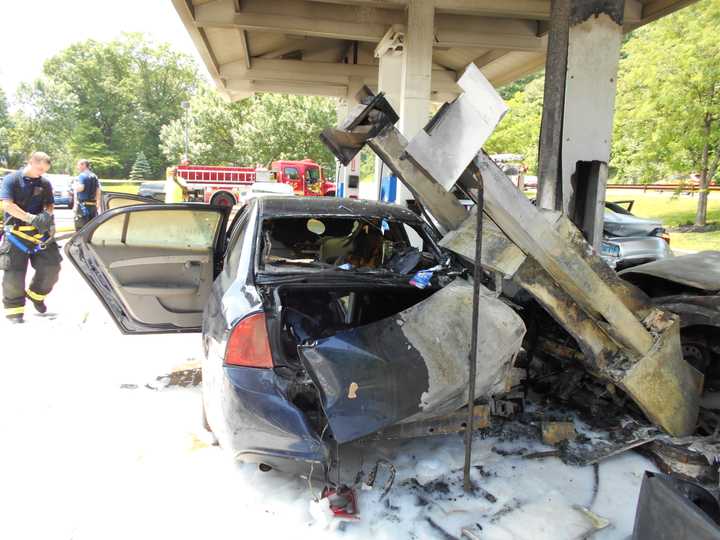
column 249, row 345
column 662, row 233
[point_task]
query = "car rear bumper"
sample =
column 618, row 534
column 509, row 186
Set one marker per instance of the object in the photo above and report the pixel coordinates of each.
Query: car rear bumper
column 264, row 427
column 635, row 250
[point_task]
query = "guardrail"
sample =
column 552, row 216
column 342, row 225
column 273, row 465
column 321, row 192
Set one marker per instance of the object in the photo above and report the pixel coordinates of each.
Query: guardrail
column 685, row 188
column 107, row 181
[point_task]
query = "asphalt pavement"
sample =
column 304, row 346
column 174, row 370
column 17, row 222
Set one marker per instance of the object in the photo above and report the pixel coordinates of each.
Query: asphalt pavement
column 64, row 220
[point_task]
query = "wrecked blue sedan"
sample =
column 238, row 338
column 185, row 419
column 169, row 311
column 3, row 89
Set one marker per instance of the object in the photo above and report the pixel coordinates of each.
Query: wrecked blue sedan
column 323, row 320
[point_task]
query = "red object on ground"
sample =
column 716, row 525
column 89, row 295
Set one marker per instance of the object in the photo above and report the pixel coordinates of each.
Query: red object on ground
column 343, row 502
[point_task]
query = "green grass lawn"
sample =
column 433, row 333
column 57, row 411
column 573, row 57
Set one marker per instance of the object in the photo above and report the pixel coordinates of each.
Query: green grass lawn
column 674, row 210
column 119, row 188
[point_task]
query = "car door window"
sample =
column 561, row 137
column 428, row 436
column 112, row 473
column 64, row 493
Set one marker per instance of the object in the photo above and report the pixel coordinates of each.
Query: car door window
column 183, row 229
column 232, row 257
column 292, row 173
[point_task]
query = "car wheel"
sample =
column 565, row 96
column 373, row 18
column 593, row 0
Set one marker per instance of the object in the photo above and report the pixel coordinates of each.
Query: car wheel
column 223, row 199
column 696, row 351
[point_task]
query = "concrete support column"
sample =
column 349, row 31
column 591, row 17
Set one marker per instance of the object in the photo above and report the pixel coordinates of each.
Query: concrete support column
column 580, row 80
column 341, row 172
column 390, row 53
column 416, row 73
column 404, row 75
column 348, row 178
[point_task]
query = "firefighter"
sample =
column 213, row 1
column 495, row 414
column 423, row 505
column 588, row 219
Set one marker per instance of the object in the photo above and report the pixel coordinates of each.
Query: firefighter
column 175, row 186
column 27, row 199
column 87, row 194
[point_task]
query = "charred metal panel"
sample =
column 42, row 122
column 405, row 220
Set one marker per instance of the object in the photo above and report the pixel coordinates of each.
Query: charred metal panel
column 444, row 207
column 364, row 122
column 413, row 366
column 667, row 391
column 699, row 270
column 669, row 509
column 498, row 253
column 369, row 378
column 457, row 133
column 443, row 425
column 694, row 310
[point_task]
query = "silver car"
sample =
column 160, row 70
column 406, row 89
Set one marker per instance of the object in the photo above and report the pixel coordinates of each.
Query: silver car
column 630, row 240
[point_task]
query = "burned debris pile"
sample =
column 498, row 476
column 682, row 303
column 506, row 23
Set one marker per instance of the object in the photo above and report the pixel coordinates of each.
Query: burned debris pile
column 593, row 343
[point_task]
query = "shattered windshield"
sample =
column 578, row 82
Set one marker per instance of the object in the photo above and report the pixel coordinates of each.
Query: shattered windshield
column 292, row 244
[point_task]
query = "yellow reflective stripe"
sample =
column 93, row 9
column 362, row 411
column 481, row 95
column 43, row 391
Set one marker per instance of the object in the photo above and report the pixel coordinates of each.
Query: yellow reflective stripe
column 26, row 237
column 35, row 296
column 25, row 228
column 15, row 310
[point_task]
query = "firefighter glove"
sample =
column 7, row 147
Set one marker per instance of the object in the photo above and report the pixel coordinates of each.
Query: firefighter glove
column 43, row 222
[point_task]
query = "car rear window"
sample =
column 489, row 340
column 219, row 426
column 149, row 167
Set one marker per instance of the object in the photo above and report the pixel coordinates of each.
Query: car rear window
column 318, row 242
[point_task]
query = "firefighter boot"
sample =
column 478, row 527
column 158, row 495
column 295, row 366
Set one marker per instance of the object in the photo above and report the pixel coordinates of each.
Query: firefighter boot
column 38, row 300
column 15, row 315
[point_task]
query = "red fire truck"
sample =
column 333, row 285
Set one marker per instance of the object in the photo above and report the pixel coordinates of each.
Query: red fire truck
column 225, row 185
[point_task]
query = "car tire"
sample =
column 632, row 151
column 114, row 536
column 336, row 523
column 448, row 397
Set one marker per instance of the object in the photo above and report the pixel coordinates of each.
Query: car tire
column 223, row 199
column 696, row 351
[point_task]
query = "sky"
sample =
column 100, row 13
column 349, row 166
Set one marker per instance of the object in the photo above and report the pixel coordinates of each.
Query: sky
column 35, row 30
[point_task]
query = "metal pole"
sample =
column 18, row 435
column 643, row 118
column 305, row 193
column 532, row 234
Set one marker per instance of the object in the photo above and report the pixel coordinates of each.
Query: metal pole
column 477, row 277
column 186, row 106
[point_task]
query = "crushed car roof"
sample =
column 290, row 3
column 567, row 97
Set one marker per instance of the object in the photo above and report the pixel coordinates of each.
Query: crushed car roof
column 699, row 270
column 333, row 206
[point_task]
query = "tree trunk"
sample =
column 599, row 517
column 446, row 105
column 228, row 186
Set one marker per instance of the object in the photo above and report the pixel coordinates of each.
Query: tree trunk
column 701, row 214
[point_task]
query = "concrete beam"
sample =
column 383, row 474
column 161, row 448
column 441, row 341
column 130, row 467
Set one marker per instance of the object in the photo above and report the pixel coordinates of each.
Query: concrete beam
column 304, row 44
column 659, row 8
column 531, row 66
column 246, row 87
column 186, row 13
column 297, row 17
column 321, row 72
column 486, row 33
column 316, row 69
column 488, row 58
column 538, row 10
column 244, row 47
column 307, row 18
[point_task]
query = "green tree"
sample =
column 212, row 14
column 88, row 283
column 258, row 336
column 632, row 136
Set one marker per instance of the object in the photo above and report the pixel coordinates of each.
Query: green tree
column 5, row 128
column 141, row 168
column 509, row 90
column 106, row 99
column 213, row 124
column 280, row 126
column 259, row 129
column 668, row 101
column 519, row 130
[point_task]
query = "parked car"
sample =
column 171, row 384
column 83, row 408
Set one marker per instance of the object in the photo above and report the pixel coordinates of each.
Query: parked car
column 630, row 240
column 323, row 320
column 63, row 193
column 265, row 189
column 689, row 286
column 153, row 189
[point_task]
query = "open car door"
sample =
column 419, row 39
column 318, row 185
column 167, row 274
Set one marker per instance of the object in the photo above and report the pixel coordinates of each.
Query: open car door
column 152, row 266
column 111, row 200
